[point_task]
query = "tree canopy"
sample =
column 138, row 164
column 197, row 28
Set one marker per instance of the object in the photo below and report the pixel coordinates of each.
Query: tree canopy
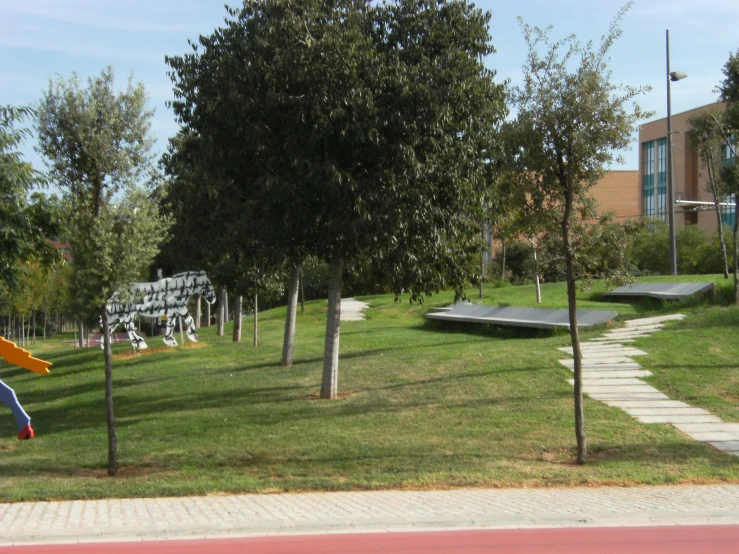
column 571, row 120
column 348, row 130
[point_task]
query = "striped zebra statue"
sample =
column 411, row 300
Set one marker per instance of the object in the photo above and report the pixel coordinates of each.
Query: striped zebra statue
column 165, row 297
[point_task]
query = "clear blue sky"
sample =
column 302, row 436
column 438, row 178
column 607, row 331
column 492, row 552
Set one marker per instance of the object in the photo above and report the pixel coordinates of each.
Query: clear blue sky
column 39, row 38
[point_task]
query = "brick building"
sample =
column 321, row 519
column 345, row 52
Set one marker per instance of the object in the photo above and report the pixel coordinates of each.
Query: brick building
column 618, row 192
column 693, row 202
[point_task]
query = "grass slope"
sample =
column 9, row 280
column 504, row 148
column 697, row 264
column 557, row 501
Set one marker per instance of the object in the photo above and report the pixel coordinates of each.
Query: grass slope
column 424, row 405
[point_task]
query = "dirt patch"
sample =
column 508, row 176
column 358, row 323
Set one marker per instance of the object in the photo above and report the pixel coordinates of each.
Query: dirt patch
column 158, row 349
column 339, row 396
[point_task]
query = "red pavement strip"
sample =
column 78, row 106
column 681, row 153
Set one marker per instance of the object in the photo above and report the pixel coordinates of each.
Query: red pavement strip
column 712, row 539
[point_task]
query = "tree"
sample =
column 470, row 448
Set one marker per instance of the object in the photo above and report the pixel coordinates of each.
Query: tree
column 571, row 119
column 212, row 234
column 348, row 130
column 97, row 144
column 705, row 139
column 729, row 127
column 24, row 224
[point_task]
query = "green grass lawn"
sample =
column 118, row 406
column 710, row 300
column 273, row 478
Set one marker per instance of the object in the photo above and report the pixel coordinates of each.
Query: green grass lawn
column 423, row 405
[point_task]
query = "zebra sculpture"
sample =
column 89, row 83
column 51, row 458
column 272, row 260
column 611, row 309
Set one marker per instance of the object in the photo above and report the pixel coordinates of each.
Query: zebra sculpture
column 165, row 297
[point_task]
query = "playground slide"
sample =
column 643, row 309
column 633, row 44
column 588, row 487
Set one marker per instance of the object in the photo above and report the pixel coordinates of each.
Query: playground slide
column 22, row 358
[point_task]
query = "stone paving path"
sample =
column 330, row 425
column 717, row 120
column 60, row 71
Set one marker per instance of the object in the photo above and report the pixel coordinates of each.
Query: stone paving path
column 352, row 310
column 611, row 376
column 268, row 514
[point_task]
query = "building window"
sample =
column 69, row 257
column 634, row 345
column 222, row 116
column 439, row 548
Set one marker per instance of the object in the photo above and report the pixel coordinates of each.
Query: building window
column 648, row 179
column 662, row 178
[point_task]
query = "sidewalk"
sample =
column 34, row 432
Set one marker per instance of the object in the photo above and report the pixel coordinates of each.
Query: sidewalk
column 255, row 514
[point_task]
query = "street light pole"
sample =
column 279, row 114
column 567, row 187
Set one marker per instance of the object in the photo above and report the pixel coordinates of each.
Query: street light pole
column 670, row 192
column 671, row 76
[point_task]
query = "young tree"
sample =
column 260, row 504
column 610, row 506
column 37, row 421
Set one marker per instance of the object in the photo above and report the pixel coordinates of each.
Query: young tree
column 706, row 139
column 571, row 120
column 97, row 145
column 729, row 127
column 347, row 129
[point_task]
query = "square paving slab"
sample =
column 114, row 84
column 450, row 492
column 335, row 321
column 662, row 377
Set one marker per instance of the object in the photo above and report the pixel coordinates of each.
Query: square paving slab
column 598, row 360
column 615, row 374
column 679, row 419
column 521, row 317
column 606, row 352
column 664, row 291
column 570, row 364
column 654, row 319
column 659, row 404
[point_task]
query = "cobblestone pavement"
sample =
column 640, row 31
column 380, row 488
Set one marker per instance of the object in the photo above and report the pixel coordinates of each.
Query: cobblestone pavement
column 611, row 376
column 254, row 514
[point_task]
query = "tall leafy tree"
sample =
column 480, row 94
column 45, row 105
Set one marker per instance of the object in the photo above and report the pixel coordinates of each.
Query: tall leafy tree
column 97, row 144
column 729, row 125
column 350, row 129
column 25, row 220
column 572, row 119
column 212, row 233
column 706, row 139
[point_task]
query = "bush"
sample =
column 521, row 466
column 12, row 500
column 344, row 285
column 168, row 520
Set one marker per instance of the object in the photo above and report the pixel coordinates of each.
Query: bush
column 698, row 252
column 519, row 263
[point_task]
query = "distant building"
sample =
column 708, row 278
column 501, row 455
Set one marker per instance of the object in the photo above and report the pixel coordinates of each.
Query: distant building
column 618, row 192
column 63, row 247
column 693, row 202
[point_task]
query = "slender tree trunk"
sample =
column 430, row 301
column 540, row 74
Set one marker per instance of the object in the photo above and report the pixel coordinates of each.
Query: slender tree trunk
column 34, row 326
column 23, row 330
column 207, row 315
column 482, row 274
column 302, row 292
column 330, row 380
column 582, row 447
column 198, row 310
column 256, row 322
column 538, row 284
column 736, row 251
column 719, row 223
column 225, row 306
column 237, row 318
column 79, row 327
column 288, row 342
column 221, row 315
column 112, row 438
column 502, row 261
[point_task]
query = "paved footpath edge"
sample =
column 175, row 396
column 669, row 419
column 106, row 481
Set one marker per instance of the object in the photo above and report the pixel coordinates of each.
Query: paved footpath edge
column 381, row 511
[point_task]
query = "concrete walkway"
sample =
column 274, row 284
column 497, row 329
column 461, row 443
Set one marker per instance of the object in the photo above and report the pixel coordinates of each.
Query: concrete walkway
column 612, row 376
column 352, row 310
column 253, row 514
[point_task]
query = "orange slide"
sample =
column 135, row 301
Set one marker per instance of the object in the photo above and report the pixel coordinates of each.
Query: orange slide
column 18, row 356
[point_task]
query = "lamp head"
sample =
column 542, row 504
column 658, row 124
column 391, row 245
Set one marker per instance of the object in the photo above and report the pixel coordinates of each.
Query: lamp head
column 677, row 75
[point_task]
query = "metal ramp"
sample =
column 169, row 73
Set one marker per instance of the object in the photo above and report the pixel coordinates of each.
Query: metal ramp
column 664, row 291
column 513, row 316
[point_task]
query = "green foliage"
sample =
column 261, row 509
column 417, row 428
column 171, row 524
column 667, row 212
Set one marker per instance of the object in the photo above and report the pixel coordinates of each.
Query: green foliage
column 698, row 252
column 97, row 144
column 729, row 92
column 24, row 222
column 347, row 129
